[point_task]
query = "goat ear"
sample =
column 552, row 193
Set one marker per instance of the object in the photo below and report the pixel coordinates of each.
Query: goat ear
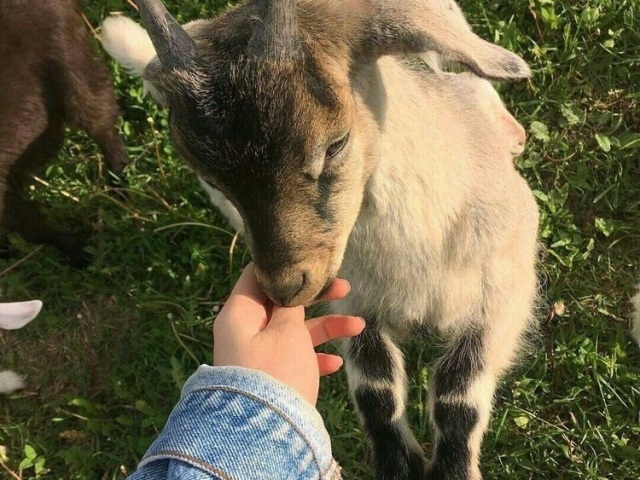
column 17, row 315
column 418, row 26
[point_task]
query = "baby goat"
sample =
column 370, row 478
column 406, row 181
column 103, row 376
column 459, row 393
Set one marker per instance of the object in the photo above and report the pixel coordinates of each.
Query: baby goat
column 342, row 155
column 50, row 77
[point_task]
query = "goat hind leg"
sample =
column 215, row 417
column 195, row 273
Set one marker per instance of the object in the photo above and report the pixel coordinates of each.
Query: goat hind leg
column 377, row 381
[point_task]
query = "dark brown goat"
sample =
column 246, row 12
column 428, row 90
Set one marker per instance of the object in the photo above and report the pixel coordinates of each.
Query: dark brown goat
column 50, row 77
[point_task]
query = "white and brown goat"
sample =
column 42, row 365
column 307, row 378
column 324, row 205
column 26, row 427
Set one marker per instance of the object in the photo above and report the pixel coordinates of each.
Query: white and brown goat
column 341, row 154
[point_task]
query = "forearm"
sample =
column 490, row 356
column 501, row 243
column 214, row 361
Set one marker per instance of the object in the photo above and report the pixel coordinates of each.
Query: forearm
column 237, row 423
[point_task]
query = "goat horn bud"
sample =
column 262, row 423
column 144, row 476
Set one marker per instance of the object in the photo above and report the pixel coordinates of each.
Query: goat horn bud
column 277, row 36
column 175, row 48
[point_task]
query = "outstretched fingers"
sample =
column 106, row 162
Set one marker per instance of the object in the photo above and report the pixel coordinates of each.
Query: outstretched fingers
column 331, row 327
column 328, row 364
column 339, row 289
column 248, row 308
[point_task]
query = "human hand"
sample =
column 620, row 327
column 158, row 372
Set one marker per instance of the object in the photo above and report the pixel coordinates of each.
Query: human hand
column 251, row 332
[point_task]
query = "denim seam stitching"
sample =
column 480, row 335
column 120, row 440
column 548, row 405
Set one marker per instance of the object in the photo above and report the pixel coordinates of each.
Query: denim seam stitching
column 163, row 454
column 276, row 410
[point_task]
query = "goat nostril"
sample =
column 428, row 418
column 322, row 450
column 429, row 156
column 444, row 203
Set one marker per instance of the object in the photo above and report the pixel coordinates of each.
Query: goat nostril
column 290, row 291
column 296, row 287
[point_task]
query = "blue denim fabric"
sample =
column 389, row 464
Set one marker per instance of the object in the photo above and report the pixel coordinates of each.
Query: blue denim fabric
column 236, row 423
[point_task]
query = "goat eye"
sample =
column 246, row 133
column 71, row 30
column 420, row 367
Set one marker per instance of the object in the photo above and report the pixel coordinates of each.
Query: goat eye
column 336, row 147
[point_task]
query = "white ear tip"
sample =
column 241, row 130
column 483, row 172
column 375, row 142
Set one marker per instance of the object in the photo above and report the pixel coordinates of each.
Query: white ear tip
column 37, row 306
column 17, row 314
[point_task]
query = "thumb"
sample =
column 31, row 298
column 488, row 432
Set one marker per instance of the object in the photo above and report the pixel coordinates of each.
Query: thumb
column 247, row 308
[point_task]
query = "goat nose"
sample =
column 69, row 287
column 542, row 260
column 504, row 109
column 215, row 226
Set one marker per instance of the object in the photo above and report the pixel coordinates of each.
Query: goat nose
column 284, row 291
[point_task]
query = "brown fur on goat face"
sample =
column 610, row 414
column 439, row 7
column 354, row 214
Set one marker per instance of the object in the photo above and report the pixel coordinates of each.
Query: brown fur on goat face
column 50, row 77
column 268, row 154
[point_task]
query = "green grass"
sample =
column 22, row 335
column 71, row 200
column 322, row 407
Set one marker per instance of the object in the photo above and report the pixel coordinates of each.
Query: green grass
column 107, row 357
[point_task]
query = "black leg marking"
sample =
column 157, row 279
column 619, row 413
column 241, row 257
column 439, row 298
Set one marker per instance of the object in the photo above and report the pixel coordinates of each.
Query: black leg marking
column 371, row 356
column 452, row 457
column 379, row 396
column 395, row 458
column 460, row 365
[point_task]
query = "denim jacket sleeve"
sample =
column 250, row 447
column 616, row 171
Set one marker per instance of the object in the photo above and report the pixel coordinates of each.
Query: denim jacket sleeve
column 240, row 424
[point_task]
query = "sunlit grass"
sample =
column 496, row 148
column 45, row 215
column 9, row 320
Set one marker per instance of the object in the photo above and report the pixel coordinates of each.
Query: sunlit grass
column 107, row 357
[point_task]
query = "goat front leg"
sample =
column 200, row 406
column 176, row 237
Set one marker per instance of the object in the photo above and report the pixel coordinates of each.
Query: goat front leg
column 377, row 381
column 465, row 379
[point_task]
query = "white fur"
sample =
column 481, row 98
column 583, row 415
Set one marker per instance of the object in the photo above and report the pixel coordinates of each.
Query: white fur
column 12, row 317
column 224, row 205
column 10, row 382
column 635, row 317
column 423, row 187
column 128, row 43
column 447, row 225
column 16, row 315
